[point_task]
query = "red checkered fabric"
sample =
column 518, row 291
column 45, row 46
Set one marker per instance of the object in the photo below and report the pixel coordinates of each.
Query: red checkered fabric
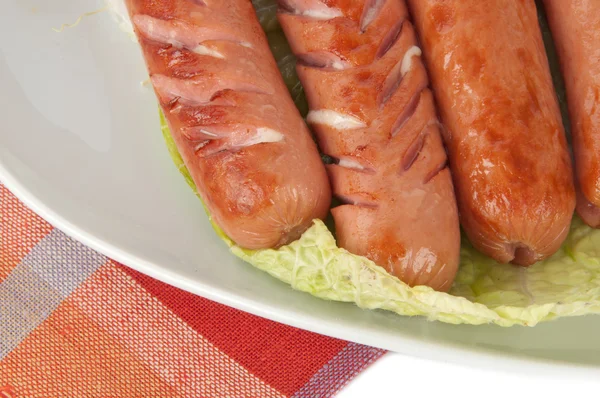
column 74, row 323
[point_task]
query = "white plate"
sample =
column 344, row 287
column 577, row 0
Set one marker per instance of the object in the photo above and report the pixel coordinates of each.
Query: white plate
column 80, row 144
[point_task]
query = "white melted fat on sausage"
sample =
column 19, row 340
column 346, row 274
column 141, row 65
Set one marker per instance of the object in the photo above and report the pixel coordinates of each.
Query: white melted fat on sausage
column 312, row 8
column 199, row 92
column 264, row 135
column 414, row 51
column 336, row 120
column 350, row 164
column 203, row 50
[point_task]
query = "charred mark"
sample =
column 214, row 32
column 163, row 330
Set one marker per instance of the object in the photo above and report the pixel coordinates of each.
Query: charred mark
column 328, row 159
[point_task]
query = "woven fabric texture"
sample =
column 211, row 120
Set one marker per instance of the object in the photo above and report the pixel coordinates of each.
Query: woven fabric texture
column 74, row 323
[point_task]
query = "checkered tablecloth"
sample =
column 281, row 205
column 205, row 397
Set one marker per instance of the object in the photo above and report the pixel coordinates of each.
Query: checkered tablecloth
column 74, row 323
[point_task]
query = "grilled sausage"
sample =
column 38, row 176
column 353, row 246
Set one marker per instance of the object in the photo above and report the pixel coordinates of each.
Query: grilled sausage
column 575, row 26
column 505, row 138
column 234, row 123
column 373, row 113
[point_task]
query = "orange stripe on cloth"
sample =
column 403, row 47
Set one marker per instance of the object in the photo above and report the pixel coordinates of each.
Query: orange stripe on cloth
column 20, row 231
column 161, row 340
column 69, row 355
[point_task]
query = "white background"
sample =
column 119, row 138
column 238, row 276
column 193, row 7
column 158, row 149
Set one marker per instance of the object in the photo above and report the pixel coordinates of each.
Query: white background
column 396, row 375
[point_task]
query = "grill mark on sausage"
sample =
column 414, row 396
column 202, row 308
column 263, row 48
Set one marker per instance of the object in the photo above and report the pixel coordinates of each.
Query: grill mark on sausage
column 390, row 39
column 322, row 60
column 207, row 148
column 433, row 173
column 205, row 152
column 177, row 93
column 197, row 133
column 414, row 149
column 183, row 36
column 228, row 137
column 407, row 112
column 196, row 91
column 350, row 164
column 353, row 200
column 391, row 84
column 396, row 75
column 172, row 103
column 412, row 152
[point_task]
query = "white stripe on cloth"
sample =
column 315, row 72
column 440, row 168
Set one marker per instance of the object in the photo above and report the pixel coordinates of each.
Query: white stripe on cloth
column 43, row 279
column 182, row 357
